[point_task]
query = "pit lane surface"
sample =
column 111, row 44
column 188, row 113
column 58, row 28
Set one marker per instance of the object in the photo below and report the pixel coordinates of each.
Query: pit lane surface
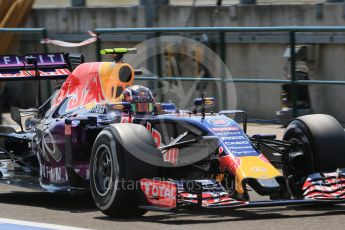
column 27, row 205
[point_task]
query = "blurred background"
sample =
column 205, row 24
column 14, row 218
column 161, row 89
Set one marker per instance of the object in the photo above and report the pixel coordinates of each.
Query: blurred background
column 253, row 55
column 54, row 3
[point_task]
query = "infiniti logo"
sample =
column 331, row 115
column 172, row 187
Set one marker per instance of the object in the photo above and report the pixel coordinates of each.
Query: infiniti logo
column 258, row 169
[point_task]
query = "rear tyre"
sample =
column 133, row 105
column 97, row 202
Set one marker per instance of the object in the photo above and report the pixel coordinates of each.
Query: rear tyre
column 320, row 147
column 114, row 174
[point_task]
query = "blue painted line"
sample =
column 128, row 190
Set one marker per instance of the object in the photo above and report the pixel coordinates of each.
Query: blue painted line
column 20, row 227
column 12, row 224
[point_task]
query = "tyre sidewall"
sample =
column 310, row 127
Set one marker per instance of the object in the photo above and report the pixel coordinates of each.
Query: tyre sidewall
column 295, row 132
column 110, row 198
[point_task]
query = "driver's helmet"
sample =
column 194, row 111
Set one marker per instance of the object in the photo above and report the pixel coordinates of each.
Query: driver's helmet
column 140, row 97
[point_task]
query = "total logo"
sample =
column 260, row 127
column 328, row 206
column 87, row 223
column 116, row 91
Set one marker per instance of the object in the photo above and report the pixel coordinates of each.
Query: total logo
column 158, row 189
column 218, row 122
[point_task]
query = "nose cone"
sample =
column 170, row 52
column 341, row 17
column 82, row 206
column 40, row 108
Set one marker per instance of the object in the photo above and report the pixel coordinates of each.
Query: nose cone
column 257, row 171
column 257, row 167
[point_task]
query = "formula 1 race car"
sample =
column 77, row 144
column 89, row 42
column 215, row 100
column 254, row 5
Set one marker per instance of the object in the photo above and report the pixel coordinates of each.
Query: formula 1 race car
column 98, row 132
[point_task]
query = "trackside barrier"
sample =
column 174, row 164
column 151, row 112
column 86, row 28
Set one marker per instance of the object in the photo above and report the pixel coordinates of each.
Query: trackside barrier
column 221, row 31
column 42, row 31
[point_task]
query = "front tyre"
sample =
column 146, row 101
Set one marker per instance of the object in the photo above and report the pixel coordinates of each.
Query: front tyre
column 114, row 174
column 319, row 147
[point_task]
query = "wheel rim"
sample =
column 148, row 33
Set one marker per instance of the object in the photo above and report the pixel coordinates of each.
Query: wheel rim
column 103, row 170
column 301, row 145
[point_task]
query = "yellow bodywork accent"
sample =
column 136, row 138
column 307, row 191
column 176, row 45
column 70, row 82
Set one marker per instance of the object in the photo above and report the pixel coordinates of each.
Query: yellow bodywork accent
column 220, row 177
column 109, row 75
column 118, row 51
column 253, row 167
column 90, row 105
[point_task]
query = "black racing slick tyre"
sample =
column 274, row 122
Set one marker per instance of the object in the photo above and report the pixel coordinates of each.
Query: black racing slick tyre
column 114, row 172
column 319, row 146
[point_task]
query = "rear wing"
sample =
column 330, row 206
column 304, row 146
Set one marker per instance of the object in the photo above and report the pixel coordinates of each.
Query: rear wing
column 50, row 66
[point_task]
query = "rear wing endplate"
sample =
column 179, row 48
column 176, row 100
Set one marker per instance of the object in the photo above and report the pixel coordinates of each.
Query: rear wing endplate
column 50, row 66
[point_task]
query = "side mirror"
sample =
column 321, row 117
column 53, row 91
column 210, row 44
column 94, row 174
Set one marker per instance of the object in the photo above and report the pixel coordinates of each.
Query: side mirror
column 207, row 101
column 204, row 102
column 15, row 115
column 165, row 108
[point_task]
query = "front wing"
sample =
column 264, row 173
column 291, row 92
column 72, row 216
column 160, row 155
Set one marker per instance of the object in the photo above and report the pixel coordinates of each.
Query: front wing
column 170, row 195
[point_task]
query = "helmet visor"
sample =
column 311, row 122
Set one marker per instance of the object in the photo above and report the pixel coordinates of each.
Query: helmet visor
column 142, row 107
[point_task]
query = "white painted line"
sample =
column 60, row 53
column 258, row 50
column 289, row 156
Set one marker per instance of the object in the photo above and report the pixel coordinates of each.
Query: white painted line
column 40, row 225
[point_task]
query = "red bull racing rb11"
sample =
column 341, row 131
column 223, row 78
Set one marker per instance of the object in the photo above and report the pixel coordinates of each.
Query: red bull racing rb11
column 101, row 133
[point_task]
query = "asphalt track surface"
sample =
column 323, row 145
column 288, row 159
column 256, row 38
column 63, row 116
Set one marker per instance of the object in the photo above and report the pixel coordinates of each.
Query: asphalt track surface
column 27, row 205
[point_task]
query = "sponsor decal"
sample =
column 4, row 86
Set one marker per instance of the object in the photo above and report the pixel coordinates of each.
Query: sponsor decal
column 81, row 88
column 155, row 134
column 258, row 169
column 48, row 147
column 142, row 99
column 233, row 148
column 218, row 121
column 171, row 156
column 91, row 83
column 118, row 106
column 100, row 109
column 48, row 59
column 237, row 144
column 42, row 60
column 233, row 139
column 90, row 92
column 245, row 143
column 224, row 129
column 51, row 174
column 59, row 174
column 6, row 61
column 31, row 73
column 161, row 193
